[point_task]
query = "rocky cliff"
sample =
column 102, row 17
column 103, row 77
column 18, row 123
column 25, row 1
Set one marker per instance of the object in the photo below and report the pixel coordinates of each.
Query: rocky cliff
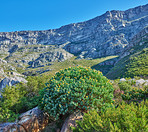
column 104, row 35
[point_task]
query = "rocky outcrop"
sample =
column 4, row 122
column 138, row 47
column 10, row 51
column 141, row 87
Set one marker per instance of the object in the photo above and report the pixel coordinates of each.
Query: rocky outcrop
column 139, row 40
column 33, row 120
column 71, row 121
column 10, row 81
column 108, row 62
column 137, row 46
column 47, row 57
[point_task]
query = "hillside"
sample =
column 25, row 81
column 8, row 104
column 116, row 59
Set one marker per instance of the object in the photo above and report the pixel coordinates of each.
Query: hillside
column 134, row 60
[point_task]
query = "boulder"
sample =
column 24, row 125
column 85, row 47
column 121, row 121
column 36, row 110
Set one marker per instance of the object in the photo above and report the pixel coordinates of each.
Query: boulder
column 122, row 80
column 140, row 82
column 10, row 81
column 146, row 83
column 33, row 120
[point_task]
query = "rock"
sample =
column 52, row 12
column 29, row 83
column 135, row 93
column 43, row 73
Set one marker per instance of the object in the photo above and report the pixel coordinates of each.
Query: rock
column 122, row 80
column 32, row 120
column 140, row 82
column 2, row 61
column 10, row 81
column 45, row 58
column 108, row 62
column 71, row 121
column 13, row 49
column 132, row 80
column 5, row 82
column 1, row 71
column 146, row 83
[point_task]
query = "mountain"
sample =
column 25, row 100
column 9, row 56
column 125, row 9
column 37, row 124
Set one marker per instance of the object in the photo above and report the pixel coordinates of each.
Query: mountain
column 105, row 35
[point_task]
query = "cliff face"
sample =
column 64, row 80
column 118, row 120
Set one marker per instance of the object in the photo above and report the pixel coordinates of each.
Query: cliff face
column 104, row 35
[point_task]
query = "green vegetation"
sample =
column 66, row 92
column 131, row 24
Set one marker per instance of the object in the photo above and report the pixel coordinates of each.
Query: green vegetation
column 138, row 65
column 135, row 64
column 76, row 88
column 20, row 98
column 125, row 86
column 129, row 118
column 136, row 94
column 128, row 91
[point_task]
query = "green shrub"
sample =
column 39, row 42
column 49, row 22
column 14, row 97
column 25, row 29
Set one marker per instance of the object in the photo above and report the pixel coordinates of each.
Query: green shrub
column 11, row 96
column 124, row 118
column 26, row 104
column 76, row 88
column 7, row 115
column 125, row 86
column 135, row 94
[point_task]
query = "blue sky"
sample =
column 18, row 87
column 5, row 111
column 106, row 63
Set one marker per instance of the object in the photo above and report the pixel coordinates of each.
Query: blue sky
column 18, row 15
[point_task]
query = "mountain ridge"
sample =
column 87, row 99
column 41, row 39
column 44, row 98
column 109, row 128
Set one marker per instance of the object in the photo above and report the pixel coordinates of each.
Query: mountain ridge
column 109, row 24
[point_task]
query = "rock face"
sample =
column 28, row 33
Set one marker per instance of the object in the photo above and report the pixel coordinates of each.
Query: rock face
column 138, row 40
column 51, row 56
column 104, row 35
column 10, row 81
column 137, row 45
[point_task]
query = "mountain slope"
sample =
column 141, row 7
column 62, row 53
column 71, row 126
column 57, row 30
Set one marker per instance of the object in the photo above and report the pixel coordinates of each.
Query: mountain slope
column 134, row 60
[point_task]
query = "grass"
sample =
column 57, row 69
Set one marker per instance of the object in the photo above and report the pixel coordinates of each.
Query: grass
column 75, row 62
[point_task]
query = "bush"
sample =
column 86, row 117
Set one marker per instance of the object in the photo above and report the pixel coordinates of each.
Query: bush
column 125, row 86
column 11, row 96
column 76, row 88
column 7, row 115
column 136, row 94
column 125, row 117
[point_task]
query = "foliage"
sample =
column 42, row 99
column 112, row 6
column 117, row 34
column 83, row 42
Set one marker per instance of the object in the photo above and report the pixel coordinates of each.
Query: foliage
column 11, row 95
column 76, row 88
column 135, row 64
column 125, row 117
column 7, row 115
column 20, row 98
column 25, row 104
column 124, row 86
column 138, row 65
column 136, row 94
